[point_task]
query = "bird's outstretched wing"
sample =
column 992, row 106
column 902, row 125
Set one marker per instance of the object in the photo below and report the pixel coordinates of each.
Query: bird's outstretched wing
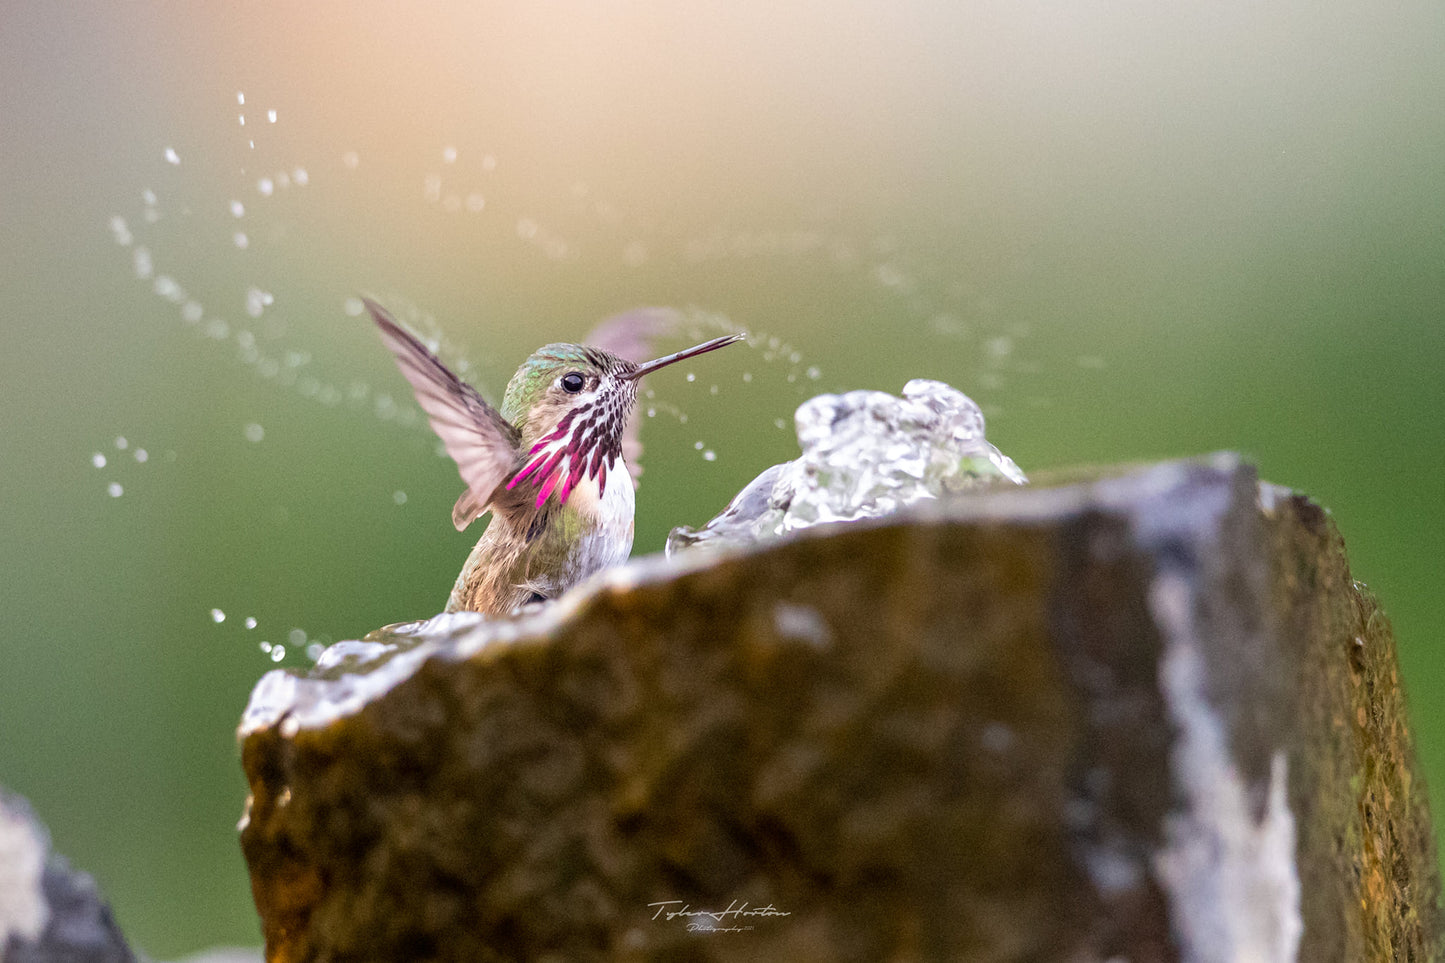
column 631, row 335
column 481, row 442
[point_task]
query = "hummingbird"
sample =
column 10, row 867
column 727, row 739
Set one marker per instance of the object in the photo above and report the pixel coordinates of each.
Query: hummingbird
column 549, row 465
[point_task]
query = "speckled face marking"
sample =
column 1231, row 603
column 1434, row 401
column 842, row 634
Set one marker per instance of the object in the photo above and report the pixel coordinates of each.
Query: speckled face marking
column 587, row 437
column 585, row 441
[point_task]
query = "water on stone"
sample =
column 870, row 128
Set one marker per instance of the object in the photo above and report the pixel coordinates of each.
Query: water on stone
column 865, row 454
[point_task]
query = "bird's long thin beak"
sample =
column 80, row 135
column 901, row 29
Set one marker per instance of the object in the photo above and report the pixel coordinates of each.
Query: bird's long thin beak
column 683, row 355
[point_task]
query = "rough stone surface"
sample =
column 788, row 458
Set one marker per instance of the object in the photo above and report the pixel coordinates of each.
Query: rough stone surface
column 49, row 913
column 1148, row 717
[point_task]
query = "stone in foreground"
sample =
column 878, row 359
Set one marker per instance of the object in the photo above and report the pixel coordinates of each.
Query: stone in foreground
column 1148, row 717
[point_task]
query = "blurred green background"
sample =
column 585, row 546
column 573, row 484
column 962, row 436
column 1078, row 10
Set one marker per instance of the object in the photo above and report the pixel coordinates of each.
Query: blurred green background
column 1130, row 230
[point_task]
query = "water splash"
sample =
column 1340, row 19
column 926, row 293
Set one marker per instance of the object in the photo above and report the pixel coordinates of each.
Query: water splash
column 865, row 454
column 213, row 254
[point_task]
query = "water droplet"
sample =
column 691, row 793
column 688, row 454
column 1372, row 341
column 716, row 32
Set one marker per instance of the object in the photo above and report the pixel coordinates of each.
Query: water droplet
column 141, row 455
column 297, row 636
column 682, row 419
column 712, row 389
column 191, row 312
column 475, row 202
column 271, row 115
column 278, row 652
column 266, row 186
column 697, row 445
column 449, row 155
column 238, row 209
column 120, row 231
column 399, row 497
column 142, row 261
column 172, row 156
column 265, row 646
column 300, row 176
column 691, row 376
column 489, row 163
column 241, row 119
column 353, row 307
column 166, row 287
column 114, row 490
column 351, row 159
column 779, row 424
column 241, row 240
column 652, row 412
column 240, row 98
column 314, row 650
column 999, row 348
column 813, row 373
column 250, row 622
column 709, row 455
column 121, row 443
column 217, row 615
column 254, row 432
column 747, row 377
column 98, row 460
column 888, row 275
column 258, row 301
column 283, row 179
column 526, row 228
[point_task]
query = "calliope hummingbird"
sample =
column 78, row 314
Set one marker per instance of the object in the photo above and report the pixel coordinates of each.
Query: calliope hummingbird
column 548, row 466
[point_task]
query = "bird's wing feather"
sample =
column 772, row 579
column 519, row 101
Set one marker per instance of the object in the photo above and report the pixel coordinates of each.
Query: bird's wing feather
column 631, row 335
column 467, row 510
column 476, row 436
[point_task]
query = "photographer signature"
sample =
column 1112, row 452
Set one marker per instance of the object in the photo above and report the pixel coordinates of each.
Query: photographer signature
column 712, row 921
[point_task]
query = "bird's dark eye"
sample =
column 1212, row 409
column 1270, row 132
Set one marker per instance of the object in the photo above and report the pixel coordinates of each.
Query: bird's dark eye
column 572, row 382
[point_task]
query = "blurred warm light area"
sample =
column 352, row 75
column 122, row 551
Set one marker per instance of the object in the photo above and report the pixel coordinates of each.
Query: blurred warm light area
column 1132, row 135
